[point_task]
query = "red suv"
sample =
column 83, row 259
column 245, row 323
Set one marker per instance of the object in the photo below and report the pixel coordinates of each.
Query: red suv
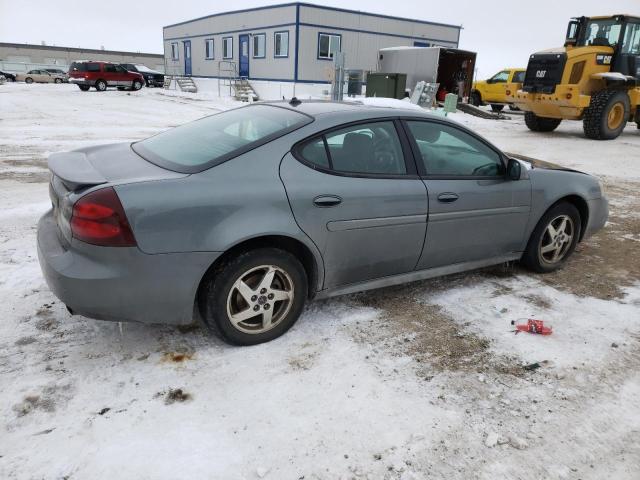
column 102, row 75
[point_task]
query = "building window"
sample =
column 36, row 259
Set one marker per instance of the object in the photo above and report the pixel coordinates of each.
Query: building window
column 227, row 47
column 281, row 44
column 259, row 45
column 328, row 45
column 174, row 51
column 208, row 48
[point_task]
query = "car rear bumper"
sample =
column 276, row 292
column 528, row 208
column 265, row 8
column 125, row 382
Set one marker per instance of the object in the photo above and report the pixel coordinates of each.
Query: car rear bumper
column 155, row 82
column 121, row 284
column 598, row 216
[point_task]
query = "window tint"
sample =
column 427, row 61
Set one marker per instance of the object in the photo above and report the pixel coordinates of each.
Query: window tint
column 518, row 77
column 328, row 45
column 259, row 41
column 110, row 68
column 448, row 151
column 93, row 67
column 501, row 77
column 314, row 152
column 281, row 44
column 367, row 148
column 78, row 67
column 603, row 33
column 211, row 140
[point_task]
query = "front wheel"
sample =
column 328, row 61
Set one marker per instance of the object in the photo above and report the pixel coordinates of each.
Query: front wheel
column 137, row 85
column 540, row 124
column 607, row 115
column 554, row 239
column 255, row 297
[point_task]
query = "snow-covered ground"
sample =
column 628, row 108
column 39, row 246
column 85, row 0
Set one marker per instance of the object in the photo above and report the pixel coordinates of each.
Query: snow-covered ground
column 413, row 382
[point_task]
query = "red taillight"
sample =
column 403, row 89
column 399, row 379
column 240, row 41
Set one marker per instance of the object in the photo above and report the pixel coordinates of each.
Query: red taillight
column 98, row 218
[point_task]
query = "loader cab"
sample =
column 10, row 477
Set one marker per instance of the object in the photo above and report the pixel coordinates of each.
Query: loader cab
column 619, row 32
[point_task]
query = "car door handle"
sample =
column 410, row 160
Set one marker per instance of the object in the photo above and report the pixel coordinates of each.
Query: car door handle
column 324, row 201
column 447, row 197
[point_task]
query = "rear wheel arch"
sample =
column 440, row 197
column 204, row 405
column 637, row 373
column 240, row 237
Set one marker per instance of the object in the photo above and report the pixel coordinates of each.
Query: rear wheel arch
column 289, row 244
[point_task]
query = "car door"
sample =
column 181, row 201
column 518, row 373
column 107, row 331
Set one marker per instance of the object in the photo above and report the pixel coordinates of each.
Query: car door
column 497, row 87
column 475, row 212
column 111, row 75
column 355, row 192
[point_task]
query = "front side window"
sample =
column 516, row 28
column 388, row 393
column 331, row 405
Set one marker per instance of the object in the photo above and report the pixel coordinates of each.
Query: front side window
column 208, row 47
column 212, row 140
column 448, row 151
column 501, row 77
column 328, row 45
column 227, row 47
column 370, row 148
column 631, row 43
column 174, row 51
column 259, row 45
column 518, row 77
column 110, row 68
column 281, row 44
column 602, row 33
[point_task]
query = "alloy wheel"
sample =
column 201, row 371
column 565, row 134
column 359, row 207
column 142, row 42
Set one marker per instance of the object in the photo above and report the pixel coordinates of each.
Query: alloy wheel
column 260, row 299
column 557, row 239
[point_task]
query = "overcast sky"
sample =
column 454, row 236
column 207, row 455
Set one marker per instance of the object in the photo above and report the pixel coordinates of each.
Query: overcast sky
column 503, row 33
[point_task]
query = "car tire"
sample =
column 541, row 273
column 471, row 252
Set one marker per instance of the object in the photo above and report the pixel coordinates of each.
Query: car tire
column 136, row 85
column 476, row 99
column 101, row 85
column 496, row 108
column 607, row 115
column 513, row 108
column 28, row 80
column 222, row 296
column 84, row 88
column 545, row 252
column 540, row 124
column 57, row 80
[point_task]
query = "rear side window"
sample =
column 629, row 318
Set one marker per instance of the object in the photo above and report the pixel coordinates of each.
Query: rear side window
column 212, row 140
column 447, row 151
column 368, row 148
column 93, row 67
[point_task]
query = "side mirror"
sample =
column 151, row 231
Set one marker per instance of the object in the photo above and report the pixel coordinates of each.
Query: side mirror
column 514, row 169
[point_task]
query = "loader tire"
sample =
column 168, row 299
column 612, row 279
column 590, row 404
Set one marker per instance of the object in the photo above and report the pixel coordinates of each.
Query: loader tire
column 540, row 124
column 607, row 115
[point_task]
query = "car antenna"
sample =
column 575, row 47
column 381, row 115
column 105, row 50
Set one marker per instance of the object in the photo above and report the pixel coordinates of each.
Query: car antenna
column 294, row 102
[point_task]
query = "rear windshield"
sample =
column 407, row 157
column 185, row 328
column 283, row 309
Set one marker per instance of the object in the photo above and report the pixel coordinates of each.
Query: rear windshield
column 212, row 140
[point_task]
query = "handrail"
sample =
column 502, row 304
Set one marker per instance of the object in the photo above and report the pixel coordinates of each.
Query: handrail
column 227, row 72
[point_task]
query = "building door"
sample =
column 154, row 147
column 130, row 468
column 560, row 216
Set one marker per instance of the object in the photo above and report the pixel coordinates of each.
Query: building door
column 187, row 57
column 244, row 56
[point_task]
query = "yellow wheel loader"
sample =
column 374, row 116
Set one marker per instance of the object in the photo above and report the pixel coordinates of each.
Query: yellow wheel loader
column 594, row 78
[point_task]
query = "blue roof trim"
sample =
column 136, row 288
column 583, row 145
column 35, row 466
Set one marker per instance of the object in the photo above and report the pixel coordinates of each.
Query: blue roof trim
column 261, row 79
column 282, row 25
column 321, row 7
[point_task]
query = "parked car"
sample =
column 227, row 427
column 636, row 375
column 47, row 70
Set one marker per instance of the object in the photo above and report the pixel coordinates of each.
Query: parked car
column 249, row 213
column 57, row 71
column 40, row 76
column 101, row 75
column 493, row 91
column 9, row 76
column 152, row 78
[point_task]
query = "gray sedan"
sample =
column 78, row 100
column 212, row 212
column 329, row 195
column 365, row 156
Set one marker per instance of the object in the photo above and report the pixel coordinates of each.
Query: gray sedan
column 243, row 216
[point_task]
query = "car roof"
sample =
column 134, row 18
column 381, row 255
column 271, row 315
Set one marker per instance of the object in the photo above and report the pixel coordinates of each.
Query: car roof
column 315, row 108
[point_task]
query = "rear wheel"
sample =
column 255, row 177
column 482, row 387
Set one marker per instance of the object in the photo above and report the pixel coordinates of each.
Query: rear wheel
column 57, row 80
column 137, row 85
column 475, row 99
column 607, row 115
column 255, row 297
column 496, row 108
column 554, row 239
column 540, row 124
column 101, row 85
column 84, row 88
column 28, row 80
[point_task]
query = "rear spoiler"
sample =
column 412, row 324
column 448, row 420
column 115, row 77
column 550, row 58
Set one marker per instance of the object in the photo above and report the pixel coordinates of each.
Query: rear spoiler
column 74, row 170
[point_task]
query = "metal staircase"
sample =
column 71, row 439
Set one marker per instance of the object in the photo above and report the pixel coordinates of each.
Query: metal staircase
column 239, row 87
column 186, row 84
